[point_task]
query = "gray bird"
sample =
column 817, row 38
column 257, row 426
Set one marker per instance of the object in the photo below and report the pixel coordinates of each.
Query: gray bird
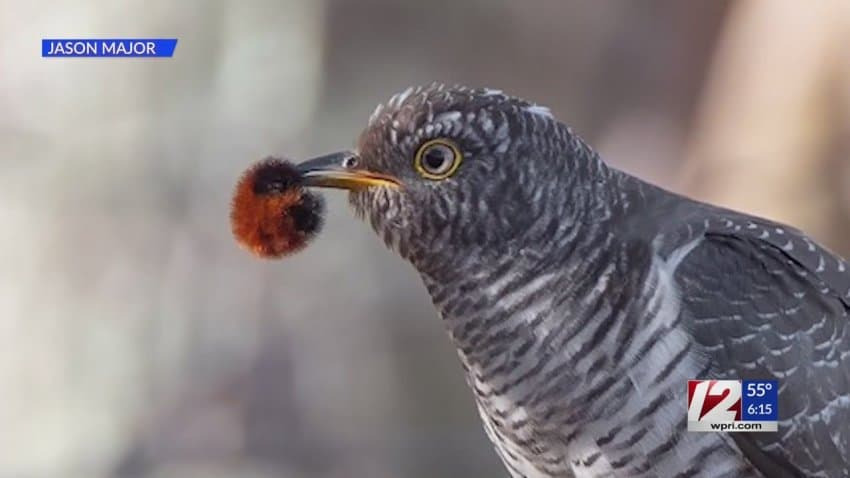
column 581, row 299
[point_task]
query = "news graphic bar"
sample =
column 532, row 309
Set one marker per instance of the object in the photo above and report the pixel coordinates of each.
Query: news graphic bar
column 108, row 47
column 733, row 405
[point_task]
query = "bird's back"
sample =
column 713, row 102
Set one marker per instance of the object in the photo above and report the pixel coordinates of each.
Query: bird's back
column 579, row 362
column 761, row 300
column 764, row 301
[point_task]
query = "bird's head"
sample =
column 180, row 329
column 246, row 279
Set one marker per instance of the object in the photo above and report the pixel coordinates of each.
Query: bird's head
column 444, row 171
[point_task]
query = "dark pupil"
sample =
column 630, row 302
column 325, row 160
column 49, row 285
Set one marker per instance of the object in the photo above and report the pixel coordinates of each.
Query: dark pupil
column 435, row 158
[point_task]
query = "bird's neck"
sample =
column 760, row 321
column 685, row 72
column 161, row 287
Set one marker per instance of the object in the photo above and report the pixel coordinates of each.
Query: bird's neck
column 480, row 289
column 551, row 268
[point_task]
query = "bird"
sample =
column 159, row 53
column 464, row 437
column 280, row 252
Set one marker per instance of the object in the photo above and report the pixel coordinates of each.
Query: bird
column 581, row 299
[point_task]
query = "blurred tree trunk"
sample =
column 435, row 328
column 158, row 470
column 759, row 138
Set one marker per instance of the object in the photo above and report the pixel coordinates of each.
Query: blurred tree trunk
column 768, row 138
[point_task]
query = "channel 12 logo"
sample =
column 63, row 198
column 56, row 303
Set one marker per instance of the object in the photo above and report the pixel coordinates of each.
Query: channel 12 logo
column 733, row 405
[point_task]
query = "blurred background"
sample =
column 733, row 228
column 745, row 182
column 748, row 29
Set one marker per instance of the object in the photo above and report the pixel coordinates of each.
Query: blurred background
column 137, row 340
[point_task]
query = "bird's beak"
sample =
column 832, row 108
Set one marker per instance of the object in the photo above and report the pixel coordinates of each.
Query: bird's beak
column 342, row 170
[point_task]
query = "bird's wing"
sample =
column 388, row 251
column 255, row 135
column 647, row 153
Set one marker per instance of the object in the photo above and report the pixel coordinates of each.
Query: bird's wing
column 766, row 302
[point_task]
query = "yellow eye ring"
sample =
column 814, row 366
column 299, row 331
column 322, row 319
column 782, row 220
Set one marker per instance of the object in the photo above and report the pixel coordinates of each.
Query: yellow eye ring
column 437, row 159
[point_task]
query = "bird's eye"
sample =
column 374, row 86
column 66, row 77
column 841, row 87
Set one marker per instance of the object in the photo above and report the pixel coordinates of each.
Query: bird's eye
column 437, row 159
